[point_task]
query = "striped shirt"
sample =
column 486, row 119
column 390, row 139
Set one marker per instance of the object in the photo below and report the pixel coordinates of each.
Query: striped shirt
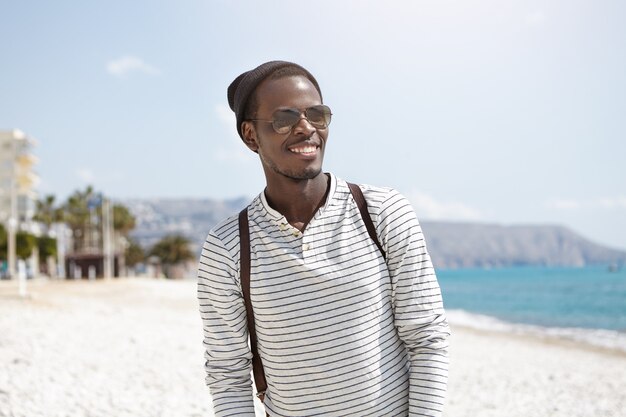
column 340, row 332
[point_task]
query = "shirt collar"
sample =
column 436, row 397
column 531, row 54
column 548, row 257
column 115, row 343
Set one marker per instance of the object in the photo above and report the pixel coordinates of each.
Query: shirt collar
column 279, row 218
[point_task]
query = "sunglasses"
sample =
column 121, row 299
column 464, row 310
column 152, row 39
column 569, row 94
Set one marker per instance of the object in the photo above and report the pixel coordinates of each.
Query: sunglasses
column 284, row 120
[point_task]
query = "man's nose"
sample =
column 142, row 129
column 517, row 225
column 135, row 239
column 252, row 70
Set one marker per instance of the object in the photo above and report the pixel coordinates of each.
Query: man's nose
column 304, row 126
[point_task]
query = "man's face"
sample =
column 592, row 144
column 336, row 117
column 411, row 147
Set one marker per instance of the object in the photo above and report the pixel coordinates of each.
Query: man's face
column 299, row 153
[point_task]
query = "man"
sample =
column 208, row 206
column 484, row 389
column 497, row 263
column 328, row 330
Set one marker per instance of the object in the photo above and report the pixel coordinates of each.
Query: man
column 342, row 330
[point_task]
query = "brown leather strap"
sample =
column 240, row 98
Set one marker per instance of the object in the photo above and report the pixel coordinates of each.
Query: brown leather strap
column 244, row 273
column 357, row 194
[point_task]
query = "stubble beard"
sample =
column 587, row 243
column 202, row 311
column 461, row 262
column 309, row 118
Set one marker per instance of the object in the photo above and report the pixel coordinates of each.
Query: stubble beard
column 304, row 174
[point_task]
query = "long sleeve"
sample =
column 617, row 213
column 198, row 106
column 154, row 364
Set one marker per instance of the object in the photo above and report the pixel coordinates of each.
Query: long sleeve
column 227, row 354
column 418, row 308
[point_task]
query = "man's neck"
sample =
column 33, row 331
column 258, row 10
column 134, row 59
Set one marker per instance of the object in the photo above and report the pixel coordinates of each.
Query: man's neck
column 298, row 200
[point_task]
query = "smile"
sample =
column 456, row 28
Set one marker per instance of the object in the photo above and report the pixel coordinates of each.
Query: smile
column 304, row 149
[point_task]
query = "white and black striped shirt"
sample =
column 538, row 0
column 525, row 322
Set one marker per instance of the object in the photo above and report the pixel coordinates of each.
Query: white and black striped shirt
column 340, row 332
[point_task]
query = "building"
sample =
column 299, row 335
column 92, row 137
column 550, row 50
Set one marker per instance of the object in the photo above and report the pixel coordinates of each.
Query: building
column 17, row 188
column 16, row 172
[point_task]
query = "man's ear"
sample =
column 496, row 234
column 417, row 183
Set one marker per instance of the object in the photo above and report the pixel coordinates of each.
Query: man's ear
column 249, row 136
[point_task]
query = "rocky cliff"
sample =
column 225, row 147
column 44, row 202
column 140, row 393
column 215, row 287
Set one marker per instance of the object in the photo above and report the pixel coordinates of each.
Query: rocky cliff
column 458, row 245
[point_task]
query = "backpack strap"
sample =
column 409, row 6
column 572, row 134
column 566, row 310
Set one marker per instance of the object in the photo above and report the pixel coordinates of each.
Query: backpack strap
column 357, row 194
column 244, row 273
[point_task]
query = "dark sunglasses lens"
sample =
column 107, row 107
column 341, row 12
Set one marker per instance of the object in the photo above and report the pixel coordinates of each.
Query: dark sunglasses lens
column 318, row 116
column 284, row 120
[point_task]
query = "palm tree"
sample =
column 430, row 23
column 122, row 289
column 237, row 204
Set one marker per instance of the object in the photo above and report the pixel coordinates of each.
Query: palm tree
column 123, row 223
column 172, row 250
column 123, row 220
column 46, row 212
column 81, row 213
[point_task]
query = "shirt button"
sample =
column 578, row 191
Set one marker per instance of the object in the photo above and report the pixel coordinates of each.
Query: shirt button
column 296, row 233
column 283, row 226
column 306, row 246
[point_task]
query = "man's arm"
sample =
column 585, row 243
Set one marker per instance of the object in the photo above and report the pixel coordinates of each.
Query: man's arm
column 227, row 354
column 417, row 303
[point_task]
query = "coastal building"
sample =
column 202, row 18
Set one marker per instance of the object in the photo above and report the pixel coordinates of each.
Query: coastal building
column 18, row 195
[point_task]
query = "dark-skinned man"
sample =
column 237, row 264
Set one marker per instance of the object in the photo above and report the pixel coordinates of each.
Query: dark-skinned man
column 344, row 321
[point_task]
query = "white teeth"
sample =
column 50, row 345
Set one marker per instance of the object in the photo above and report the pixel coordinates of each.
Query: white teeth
column 307, row 149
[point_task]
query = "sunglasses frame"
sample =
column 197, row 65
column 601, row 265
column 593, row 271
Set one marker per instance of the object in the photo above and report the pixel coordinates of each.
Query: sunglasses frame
column 283, row 131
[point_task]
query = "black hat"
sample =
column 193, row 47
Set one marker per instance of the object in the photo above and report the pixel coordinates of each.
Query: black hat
column 243, row 86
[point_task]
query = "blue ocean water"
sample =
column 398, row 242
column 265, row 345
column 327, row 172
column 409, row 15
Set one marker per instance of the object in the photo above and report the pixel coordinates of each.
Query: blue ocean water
column 588, row 298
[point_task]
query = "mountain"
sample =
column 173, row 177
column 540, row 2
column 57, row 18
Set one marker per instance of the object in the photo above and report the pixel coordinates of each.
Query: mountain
column 460, row 245
column 451, row 245
column 190, row 217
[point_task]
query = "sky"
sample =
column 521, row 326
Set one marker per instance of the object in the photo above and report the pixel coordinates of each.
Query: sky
column 508, row 112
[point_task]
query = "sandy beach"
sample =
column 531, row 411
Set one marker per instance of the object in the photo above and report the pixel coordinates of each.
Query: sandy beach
column 133, row 347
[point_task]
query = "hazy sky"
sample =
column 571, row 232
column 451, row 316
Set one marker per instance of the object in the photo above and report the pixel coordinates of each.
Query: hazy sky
column 502, row 111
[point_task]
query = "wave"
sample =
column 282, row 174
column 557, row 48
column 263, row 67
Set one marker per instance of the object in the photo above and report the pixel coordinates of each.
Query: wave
column 609, row 339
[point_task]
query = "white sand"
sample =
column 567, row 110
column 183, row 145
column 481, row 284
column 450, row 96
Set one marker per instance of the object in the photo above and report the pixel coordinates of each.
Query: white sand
column 496, row 374
column 133, row 347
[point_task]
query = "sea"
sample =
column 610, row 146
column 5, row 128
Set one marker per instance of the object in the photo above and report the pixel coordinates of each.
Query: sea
column 586, row 304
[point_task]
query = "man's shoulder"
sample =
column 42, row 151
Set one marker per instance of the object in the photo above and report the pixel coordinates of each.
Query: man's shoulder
column 374, row 194
column 382, row 202
column 225, row 227
column 228, row 228
column 376, row 191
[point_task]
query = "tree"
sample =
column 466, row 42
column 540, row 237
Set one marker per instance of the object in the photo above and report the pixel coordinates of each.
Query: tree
column 4, row 239
column 172, row 250
column 46, row 212
column 77, row 214
column 123, row 220
column 134, row 253
column 24, row 243
column 47, row 248
column 82, row 212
